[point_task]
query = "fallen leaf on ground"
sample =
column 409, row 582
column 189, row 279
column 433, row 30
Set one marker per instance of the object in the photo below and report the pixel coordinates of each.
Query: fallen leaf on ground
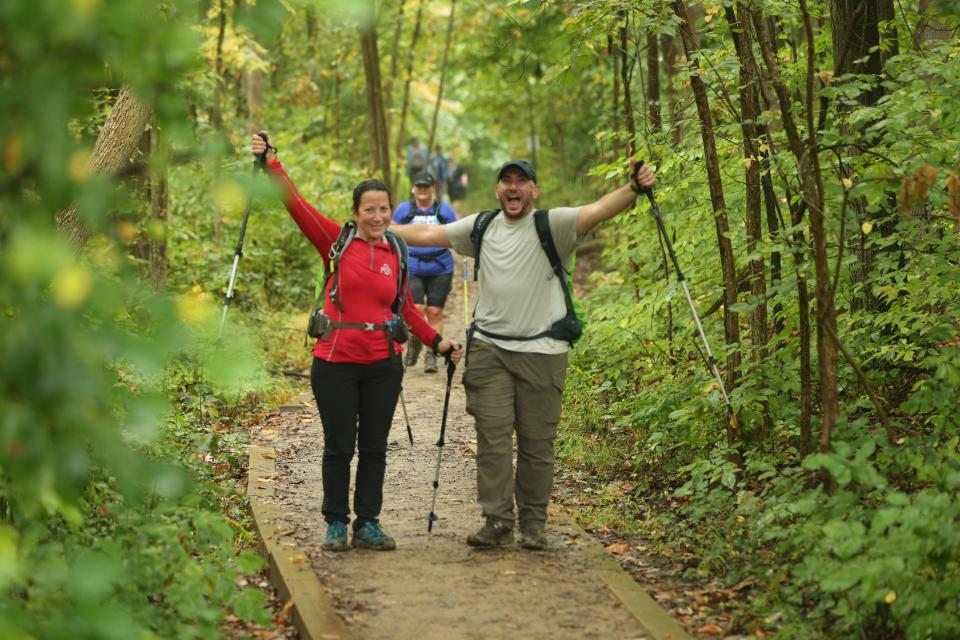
column 710, row 630
column 298, row 559
column 618, row 548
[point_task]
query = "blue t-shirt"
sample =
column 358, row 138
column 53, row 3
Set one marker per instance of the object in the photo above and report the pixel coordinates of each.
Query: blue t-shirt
column 428, row 261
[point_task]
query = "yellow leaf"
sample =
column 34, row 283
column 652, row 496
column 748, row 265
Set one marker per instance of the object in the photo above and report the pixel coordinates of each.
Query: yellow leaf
column 12, row 154
column 85, row 8
column 78, row 166
column 890, row 597
column 194, row 307
column 847, row 183
column 71, row 286
column 126, row 230
column 230, row 196
column 866, row 227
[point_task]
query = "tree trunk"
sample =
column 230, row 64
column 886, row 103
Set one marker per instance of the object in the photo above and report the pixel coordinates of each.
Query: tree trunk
column 668, row 46
column 806, row 154
column 929, row 30
column 394, row 61
column 443, row 75
column 401, row 133
column 653, row 82
column 625, row 76
column 151, row 246
column 376, row 119
column 216, row 109
column 615, row 88
column 727, row 265
column 116, row 142
column 750, row 112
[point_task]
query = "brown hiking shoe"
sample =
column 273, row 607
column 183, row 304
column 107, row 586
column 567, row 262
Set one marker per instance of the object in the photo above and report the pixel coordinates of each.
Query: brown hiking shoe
column 429, row 362
column 413, row 351
column 533, row 539
column 491, row 535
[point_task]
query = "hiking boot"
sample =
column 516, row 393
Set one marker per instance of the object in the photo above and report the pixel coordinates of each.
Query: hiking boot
column 371, row 536
column 533, row 539
column 336, row 538
column 491, row 535
column 413, row 352
column 429, row 363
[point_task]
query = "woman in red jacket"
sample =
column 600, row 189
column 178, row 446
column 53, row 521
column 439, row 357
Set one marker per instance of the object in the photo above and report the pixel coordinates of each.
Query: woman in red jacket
column 356, row 372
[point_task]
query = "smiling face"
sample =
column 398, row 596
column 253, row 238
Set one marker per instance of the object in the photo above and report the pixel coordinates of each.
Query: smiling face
column 373, row 215
column 423, row 193
column 516, row 193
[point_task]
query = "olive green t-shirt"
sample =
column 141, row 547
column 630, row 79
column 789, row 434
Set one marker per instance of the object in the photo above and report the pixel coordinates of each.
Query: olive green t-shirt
column 519, row 293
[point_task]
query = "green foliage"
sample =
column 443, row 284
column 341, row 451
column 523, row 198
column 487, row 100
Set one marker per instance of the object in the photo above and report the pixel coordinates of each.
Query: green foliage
column 878, row 557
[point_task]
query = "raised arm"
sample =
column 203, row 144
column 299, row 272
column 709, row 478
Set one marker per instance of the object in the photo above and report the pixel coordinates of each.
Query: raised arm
column 614, row 202
column 422, row 234
column 319, row 229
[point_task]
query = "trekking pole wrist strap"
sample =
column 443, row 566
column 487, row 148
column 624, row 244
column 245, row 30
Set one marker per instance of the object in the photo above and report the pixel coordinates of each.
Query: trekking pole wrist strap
column 435, row 346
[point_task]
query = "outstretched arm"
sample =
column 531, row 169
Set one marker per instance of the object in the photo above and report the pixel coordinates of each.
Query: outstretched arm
column 422, row 234
column 319, row 229
column 614, row 202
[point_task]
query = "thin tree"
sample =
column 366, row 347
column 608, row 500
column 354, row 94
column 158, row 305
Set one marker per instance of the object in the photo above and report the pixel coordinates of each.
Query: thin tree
column 401, row 133
column 731, row 329
column 806, row 154
column 443, row 75
column 376, row 119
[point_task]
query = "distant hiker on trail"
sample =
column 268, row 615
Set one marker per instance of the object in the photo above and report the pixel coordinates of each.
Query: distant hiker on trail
column 438, row 169
column 356, row 373
column 418, row 157
column 456, row 184
column 431, row 268
column 517, row 350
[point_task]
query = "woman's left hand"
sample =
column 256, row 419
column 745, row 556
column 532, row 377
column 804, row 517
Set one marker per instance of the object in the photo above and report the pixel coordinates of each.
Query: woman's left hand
column 456, row 351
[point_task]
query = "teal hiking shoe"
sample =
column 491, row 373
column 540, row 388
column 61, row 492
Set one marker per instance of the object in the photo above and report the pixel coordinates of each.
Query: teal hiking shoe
column 336, row 538
column 491, row 535
column 371, row 536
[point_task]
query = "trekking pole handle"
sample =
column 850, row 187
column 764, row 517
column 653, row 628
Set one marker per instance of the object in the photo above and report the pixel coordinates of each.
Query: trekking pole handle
column 260, row 161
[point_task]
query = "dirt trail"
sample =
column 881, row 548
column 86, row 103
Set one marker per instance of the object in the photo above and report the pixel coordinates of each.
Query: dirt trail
column 433, row 585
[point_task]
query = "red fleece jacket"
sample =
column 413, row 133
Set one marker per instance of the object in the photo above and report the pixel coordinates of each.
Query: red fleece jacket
column 368, row 285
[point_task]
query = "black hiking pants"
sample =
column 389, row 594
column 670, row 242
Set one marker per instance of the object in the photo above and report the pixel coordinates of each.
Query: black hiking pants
column 356, row 403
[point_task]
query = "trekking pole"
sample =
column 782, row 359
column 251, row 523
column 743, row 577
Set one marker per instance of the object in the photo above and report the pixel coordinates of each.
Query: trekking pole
column 259, row 163
column 406, row 418
column 466, row 305
column 711, row 360
column 432, row 517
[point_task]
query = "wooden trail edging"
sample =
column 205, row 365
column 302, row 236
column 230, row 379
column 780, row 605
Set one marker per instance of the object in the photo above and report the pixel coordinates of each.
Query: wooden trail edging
column 314, row 615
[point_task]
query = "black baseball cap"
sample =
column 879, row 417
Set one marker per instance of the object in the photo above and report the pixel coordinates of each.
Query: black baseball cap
column 522, row 165
column 423, row 178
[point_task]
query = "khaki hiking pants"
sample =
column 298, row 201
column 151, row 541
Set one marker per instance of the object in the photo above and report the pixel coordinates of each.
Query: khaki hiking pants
column 509, row 391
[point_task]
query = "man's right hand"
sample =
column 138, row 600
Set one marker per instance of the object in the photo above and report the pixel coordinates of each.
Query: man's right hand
column 258, row 145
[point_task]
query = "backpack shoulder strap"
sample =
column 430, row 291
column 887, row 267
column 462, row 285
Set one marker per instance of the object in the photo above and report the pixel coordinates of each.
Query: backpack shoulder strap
column 436, row 211
column 412, row 213
column 398, row 246
column 331, row 265
column 480, row 224
column 542, row 222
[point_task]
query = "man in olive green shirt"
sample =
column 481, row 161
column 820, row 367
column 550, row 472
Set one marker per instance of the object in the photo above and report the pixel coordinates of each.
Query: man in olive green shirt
column 517, row 384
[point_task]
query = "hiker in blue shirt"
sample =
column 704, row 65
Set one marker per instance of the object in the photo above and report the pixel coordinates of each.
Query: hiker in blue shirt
column 431, row 268
column 418, row 157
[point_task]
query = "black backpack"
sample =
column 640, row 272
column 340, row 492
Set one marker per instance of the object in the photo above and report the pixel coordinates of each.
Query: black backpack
column 320, row 325
column 413, row 213
column 569, row 328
